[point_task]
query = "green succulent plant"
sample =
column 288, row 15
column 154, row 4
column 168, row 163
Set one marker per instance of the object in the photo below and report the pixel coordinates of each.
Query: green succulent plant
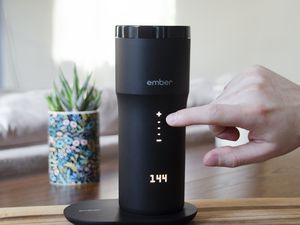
column 67, row 97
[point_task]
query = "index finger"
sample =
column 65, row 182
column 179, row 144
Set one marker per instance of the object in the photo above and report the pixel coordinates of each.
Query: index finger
column 213, row 114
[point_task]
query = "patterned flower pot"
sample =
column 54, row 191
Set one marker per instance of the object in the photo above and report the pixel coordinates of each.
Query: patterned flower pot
column 73, row 147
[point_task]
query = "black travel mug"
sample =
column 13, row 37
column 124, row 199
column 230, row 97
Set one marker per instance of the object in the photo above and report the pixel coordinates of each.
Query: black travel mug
column 152, row 80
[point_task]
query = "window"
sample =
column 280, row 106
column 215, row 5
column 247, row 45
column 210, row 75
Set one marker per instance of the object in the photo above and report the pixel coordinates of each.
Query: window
column 39, row 36
column 83, row 30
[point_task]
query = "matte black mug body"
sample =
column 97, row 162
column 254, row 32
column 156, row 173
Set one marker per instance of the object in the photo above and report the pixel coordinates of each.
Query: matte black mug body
column 152, row 80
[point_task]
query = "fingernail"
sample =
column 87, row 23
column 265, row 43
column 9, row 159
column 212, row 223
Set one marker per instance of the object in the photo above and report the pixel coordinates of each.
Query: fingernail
column 171, row 118
column 211, row 159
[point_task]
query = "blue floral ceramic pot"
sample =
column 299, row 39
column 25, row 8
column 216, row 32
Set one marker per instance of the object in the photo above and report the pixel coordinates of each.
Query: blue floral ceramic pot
column 73, row 147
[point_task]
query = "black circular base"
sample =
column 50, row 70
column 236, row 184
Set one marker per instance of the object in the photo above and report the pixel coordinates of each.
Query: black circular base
column 107, row 212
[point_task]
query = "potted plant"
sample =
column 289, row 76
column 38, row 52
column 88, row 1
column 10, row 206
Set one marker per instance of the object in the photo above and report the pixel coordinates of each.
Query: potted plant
column 73, row 131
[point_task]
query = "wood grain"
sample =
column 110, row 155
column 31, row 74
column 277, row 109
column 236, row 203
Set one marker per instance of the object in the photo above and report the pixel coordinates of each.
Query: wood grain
column 261, row 211
column 275, row 178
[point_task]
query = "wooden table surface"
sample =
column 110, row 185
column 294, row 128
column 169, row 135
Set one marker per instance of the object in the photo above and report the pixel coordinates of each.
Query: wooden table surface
column 279, row 177
column 269, row 211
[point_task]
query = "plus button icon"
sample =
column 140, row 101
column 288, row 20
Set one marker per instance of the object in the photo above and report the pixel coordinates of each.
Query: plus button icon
column 158, row 113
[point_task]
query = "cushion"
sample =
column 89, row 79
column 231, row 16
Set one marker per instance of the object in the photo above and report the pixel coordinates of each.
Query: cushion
column 24, row 117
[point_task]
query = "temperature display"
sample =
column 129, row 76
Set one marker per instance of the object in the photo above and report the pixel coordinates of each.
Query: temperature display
column 158, row 178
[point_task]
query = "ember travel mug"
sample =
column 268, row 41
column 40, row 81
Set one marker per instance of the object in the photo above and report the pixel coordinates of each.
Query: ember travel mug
column 152, row 80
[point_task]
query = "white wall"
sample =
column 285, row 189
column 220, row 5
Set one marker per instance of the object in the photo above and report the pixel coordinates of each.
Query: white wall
column 228, row 35
column 83, row 30
column 1, row 44
column 41, row 35
column 27, row 28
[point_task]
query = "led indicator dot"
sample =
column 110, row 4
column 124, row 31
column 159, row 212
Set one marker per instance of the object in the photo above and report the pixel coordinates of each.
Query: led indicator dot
column 158, row 140
column 158, row 122
column 158, row 134
column 158, row 128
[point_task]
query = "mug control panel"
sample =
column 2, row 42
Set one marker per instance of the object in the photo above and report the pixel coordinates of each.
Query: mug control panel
column 159, row 121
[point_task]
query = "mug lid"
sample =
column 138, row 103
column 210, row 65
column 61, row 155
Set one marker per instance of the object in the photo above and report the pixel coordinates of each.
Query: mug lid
column 152, row 32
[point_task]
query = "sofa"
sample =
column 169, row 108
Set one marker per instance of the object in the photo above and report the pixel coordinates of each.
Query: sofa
column 24, row 121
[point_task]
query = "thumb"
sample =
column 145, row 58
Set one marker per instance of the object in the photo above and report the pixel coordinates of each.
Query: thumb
column 251, row 152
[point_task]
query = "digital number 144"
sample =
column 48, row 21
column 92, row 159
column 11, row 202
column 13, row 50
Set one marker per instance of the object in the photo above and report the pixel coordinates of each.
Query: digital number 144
column 158, row 178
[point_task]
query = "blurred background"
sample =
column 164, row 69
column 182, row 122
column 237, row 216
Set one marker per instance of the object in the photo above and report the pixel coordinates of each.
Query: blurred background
column 36, row 37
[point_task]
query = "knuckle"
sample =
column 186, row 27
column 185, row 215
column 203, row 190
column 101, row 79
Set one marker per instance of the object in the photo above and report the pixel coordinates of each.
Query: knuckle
column 256, row 75
column 235, row 161
column 217, row 130
column 258, row 79
column 213, row 112
column 256, row 69
column 230, row 158
column 257, row 87
column 258, row 84
column 262, row 111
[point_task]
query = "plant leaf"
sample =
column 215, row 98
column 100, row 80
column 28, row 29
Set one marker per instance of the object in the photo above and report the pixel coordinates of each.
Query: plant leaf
column 98, row 99
column 63, row 102
column 76, row 79
column 79, row 102
column 87, row 99
column 90, row 106
column 58, row 104
column 56, row 98
column 75, row 88
column 51, row 105
column 94, row 101
column 85, row 84
column 66, row 88
column 75, row 97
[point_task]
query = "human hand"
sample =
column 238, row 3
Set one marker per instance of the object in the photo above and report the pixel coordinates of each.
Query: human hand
column 257, row 100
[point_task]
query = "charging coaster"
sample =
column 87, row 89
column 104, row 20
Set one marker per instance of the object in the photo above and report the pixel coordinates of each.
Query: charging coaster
column 107, row 212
